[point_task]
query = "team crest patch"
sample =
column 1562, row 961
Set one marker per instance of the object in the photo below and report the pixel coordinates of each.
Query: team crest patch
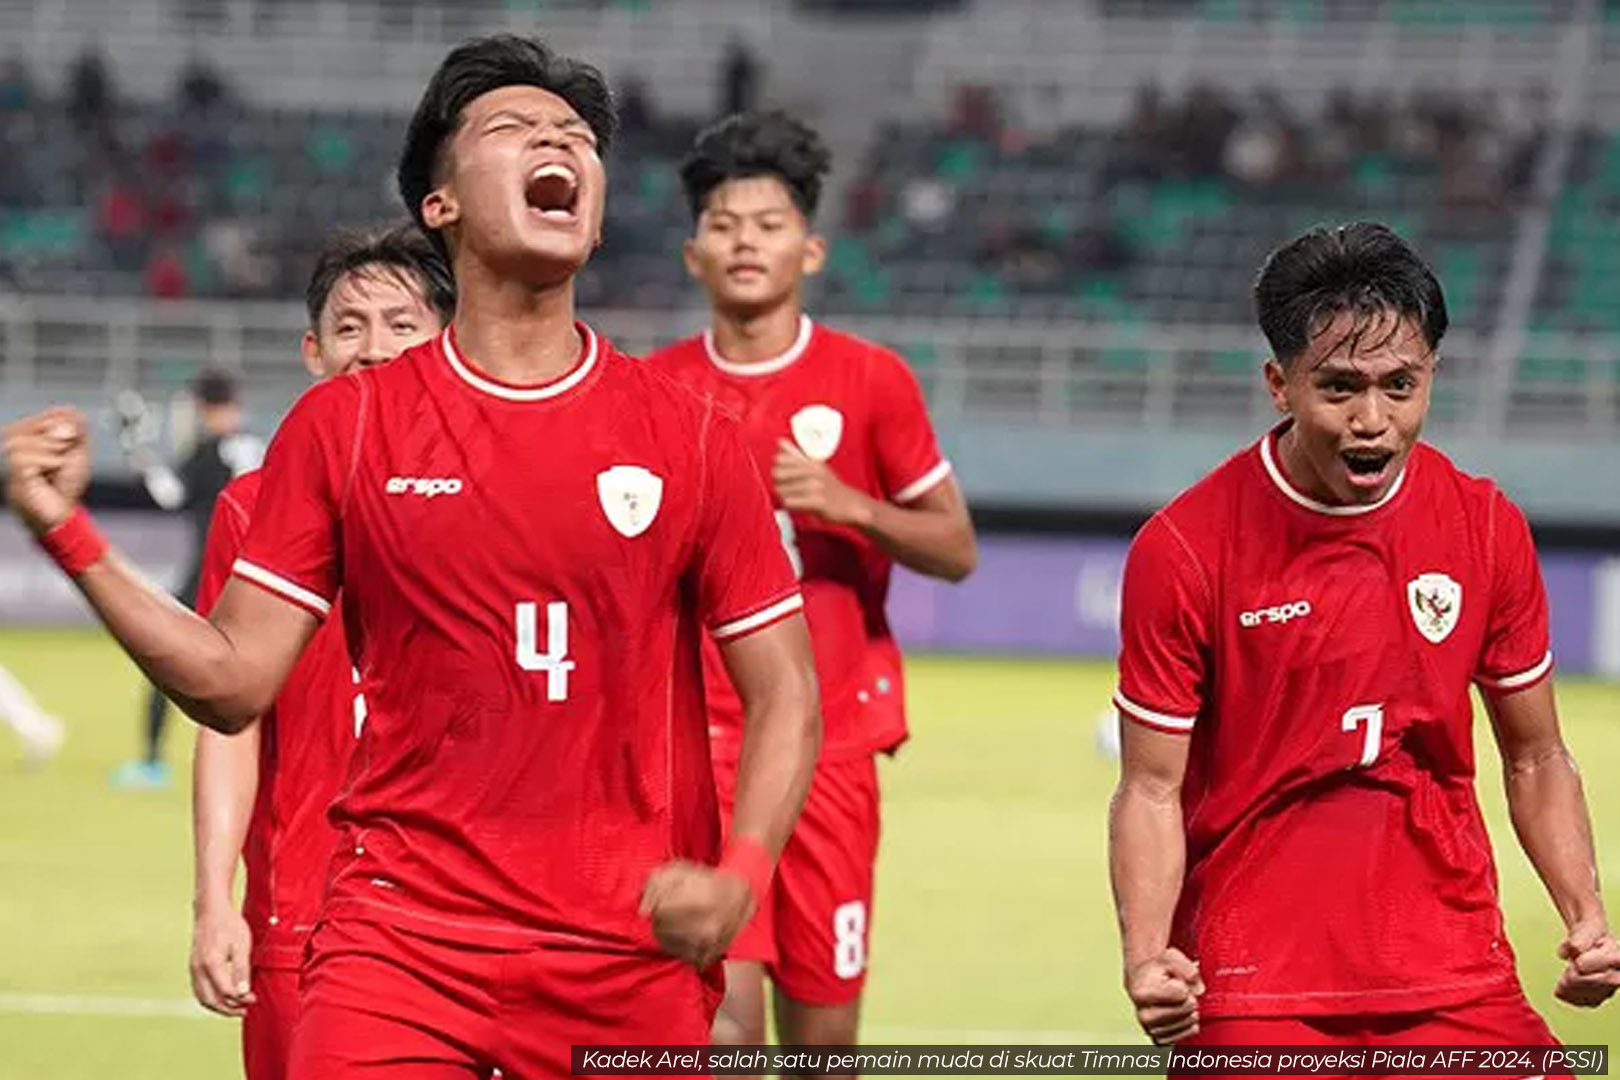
column 630, row 497
column 1436, row 601
column 817, row 429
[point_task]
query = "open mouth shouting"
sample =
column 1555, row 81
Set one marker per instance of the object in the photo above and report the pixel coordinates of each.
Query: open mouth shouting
column 1368, row 467
column 553, row 192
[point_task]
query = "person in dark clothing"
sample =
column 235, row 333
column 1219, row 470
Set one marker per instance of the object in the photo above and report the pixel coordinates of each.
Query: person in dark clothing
column 222, row 452
column 739, row 78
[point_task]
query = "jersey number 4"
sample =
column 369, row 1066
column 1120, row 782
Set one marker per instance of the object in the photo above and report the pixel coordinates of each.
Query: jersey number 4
column 554, row 661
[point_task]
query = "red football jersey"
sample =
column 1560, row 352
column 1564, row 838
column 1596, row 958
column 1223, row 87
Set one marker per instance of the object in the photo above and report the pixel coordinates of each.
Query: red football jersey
column 526, row 574
column 856, row 406
column 1320, row 658
column 305, row 742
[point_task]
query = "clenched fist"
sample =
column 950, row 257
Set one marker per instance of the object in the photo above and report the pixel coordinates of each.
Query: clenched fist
column 47, row 460
column 221, row 945
column 1165, row 992
column 1591, row 973
column 696, row 910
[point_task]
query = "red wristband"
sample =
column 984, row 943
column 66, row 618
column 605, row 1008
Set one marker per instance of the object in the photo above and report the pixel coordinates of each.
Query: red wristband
column 76, row 544
column 748, row 859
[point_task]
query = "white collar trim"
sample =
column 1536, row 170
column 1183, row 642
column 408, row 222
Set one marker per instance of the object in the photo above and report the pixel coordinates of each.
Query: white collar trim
column 1309, row 503
column 762, row 367
column 524, row 393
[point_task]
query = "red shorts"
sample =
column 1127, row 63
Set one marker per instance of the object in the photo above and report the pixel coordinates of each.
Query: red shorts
column 267, row 1029
column 1501, row 1020
column 377, row 999
column 813, row 929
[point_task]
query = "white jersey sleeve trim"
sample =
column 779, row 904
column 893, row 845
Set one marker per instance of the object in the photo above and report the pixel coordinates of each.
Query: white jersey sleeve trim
column 923, row 484
column 785, row 606
column 1522, row 679
column 1154, row 719
column 287, row 590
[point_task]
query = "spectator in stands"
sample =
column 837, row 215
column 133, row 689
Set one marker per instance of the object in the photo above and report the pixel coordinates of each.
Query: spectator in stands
column 927, row 202
column 232, row 246
column 1142, row 149
column 166, row 276
column 863, row 202
column 739, row 79
column 16, row 85
column 121, row 221
column 1338, row 138
column 92, row 104
column 636, row 117
column 975, row 114
column 201, row 88
column 1096, row 247
column 1206, row 122
column 90, row 93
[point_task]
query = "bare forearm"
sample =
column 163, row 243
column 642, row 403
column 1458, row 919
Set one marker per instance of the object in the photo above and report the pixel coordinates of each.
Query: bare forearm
column 1548, row 808
column 933, row 542
column 1146, row 859
column 184, row 655
column 781, row 740
column 225, row 783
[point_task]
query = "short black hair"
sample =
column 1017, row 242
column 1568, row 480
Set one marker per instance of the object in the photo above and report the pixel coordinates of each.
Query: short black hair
column 1362, row 267
column 214, row 387
column 473, row 69
column 403, row 248
column 757, row 144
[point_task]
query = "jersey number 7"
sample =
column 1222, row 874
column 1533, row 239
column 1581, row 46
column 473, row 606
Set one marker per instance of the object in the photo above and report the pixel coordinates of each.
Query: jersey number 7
column 1373, row 717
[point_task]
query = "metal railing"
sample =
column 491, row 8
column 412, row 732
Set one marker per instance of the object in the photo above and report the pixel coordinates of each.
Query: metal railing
column 1052, row 375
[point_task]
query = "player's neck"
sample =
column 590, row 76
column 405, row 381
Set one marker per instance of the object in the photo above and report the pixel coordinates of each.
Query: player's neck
column 517, row 333
column 755, row 338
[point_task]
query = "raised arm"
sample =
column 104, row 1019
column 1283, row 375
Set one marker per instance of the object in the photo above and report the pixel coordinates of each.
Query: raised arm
column 1548, row 809
column 223, row 672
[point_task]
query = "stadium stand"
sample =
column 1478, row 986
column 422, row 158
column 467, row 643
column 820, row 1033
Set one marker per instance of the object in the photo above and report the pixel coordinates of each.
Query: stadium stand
column 1053, row 208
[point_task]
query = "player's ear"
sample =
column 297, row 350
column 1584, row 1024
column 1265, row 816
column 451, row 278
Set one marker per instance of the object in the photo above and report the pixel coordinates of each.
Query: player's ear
column 311, row 348
column 1277, row 383
column 815, row 253
column 440, row 208
column 689, row 257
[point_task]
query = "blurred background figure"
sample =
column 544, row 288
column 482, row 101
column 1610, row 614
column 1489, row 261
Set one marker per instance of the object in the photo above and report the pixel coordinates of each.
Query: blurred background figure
column 222, row 451
column 40, row 732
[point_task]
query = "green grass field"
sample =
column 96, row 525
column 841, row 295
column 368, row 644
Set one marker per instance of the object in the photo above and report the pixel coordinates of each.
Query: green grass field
column 993, row 920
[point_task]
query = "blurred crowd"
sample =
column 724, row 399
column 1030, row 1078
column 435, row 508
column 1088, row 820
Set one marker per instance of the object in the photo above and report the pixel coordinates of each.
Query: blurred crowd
column 1481, row 149
column 176, row 200
column 163, row 193
column 1475, row 154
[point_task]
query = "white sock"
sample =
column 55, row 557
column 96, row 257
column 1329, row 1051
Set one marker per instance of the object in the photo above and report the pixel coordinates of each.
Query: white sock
column 22, row 713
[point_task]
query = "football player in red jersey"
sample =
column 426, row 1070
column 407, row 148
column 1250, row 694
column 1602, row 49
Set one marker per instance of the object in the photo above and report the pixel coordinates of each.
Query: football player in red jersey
column 532, row 534
column 841, row 426
column 1296, row 848
column 261, row 795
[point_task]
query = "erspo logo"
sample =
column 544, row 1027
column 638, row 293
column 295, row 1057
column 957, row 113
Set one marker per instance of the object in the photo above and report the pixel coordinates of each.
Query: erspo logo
column 426, row 486
column 1280, row 614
